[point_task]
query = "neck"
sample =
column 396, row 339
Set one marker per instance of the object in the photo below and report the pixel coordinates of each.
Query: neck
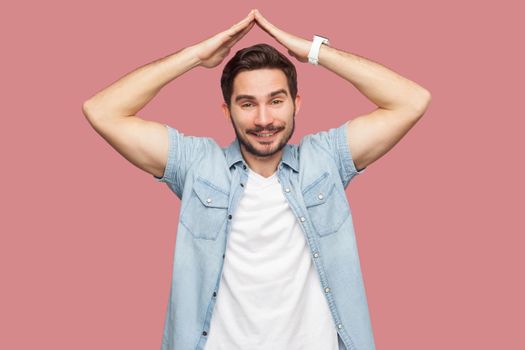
column 264, row 166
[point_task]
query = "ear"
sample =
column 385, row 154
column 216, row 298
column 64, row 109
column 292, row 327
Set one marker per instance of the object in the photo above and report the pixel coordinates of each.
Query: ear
column 226, row 110
column 297, row 103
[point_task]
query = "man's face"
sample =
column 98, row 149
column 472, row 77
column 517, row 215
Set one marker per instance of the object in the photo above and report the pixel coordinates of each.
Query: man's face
column 262, row 111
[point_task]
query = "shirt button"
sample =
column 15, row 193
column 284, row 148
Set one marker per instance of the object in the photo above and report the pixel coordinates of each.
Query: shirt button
column 230, row 216
column 223, row 256
column 320, row 196
column 242, row 185
column 327, row 290
column 339, row 326
column 287, row 190
column 303, row 219
column 208, row 200
column 244, row 167
column 204, row 333
column 214, row 294
column 316, row 255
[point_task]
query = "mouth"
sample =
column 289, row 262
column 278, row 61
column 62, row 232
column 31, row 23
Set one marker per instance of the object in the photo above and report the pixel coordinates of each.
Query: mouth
column 265, row 135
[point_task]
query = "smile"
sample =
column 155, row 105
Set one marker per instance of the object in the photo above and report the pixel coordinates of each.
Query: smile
column 264, row 135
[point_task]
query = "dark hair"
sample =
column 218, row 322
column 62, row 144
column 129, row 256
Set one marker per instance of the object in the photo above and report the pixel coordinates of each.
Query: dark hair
column 257, row 57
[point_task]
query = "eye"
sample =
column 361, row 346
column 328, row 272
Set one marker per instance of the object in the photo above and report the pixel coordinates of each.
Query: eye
column 277, row 101
column 246, row 105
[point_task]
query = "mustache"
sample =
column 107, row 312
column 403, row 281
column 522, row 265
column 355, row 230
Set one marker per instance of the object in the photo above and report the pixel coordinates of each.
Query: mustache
column 267, row 129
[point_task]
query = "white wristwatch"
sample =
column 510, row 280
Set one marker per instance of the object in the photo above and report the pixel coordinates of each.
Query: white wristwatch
column 313, row 55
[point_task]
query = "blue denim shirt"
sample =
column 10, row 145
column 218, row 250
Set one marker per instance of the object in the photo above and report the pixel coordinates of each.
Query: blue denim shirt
column 210, row 181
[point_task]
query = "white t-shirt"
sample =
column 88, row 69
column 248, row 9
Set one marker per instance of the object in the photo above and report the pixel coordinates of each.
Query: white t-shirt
column 270, row 296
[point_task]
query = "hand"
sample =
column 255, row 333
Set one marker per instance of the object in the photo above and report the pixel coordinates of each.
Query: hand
column 212, row 51
column 297, row 47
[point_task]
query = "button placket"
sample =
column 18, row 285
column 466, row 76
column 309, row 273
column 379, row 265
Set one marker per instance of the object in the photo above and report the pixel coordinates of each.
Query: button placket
column 318, row 198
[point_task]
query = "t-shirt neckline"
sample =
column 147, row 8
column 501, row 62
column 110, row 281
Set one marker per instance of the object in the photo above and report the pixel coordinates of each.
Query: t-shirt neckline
column 261, row 179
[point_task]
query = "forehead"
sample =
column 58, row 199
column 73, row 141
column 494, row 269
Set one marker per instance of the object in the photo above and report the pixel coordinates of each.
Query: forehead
column 259, row 82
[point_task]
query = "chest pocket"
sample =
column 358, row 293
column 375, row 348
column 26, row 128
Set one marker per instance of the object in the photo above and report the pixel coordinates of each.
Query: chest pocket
column 326, row 206
column 206, row 211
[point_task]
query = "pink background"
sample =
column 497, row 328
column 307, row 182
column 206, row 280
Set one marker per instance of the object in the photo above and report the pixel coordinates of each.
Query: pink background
column 87, row 239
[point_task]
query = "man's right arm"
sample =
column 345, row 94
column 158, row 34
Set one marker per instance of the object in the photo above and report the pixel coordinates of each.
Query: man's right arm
column 112, row 111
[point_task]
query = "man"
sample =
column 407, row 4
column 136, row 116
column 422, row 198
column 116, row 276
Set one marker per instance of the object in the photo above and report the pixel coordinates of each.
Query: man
column 266, row 256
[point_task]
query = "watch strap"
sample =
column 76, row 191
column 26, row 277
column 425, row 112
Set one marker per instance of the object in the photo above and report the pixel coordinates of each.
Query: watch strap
column 313, row 55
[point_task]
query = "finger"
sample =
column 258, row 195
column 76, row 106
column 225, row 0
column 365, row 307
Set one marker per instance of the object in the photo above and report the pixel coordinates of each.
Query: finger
column 226, row 40
column 279, row 35
column 265, row 24
column 230, row 40
column 245, row 22
column 240, row 35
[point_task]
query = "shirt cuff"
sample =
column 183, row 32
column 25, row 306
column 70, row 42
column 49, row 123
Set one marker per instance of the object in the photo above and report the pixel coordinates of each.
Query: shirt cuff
column 168, row 170
column 344, row 149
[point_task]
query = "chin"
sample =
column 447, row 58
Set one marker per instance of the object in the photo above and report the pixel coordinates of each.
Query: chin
column 262, row 150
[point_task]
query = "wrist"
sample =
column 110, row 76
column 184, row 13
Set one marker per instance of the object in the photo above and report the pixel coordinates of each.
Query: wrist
column 324, row 51
column 316, row 44
column 191, row 55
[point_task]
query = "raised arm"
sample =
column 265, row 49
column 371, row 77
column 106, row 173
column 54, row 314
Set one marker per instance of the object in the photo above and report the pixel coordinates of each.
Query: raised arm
column 400, row 101
column 111, row 112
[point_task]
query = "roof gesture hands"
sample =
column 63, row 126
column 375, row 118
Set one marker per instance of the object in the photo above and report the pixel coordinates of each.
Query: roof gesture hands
column 212, row 51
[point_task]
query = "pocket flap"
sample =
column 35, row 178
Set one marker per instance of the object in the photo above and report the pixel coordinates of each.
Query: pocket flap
column 318, row 191
column 210, row 195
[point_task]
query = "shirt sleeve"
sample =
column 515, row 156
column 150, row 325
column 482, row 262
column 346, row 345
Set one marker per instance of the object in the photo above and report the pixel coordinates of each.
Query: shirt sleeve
column 183, row 151
column 335, row 140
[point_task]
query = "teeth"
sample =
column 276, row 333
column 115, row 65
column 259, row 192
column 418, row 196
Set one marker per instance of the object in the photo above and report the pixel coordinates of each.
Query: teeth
column 264, row 135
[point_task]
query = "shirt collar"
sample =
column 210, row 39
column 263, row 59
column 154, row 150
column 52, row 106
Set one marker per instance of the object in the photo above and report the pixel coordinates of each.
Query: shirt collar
column 234, row 155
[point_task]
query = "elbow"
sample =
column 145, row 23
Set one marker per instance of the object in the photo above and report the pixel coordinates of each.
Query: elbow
column 423, row 102
column 87, row 109
column 92, row 111
column 427, row 98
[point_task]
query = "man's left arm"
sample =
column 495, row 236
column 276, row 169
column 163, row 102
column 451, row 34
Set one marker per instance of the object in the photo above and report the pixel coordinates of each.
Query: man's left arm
column 400, row 104
column 400, row 101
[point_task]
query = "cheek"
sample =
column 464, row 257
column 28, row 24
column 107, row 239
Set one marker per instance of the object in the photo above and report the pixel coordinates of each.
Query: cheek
column 243, row 120
column 286, row 114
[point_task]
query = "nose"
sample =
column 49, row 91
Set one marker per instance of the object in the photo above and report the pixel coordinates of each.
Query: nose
column 264, row 117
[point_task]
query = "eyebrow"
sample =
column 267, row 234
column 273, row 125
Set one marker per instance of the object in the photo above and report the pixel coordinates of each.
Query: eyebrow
column 250, row 97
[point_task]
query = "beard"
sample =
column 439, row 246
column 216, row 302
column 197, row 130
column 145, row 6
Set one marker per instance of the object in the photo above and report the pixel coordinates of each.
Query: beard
column 252, row 149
